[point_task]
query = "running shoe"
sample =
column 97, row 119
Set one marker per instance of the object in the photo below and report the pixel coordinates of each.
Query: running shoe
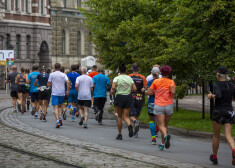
column 137, row 126
column 22, row 112
column 85, row 125
column 15, row 111
column 58, row 124
column 161, row 147
column 233, row 154
column 111, row 102
column 77, row 114
column 44, row 118
column 136, row 135
column 73, row 119
column 33, row 110
column 35, row 116
column 214, row 161
column 71, row 111
column 100, row 122
column 130, row 129
column 119, row 137
column 97, row 116
column 25, row 110
column 60, row 120
column 81, row 121
column 41, row 116
column 167, row 141
column 153, row 142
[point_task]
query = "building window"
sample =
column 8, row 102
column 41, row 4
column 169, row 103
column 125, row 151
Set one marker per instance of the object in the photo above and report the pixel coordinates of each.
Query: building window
column 79, row 3
column 27, row 6
column 64, row 3
column 90, row 46
column 79, row 43
column 42, row 6
column 28, row 47
column 16, row 5
column 6, row 4
column 8, row 41
column 63, row 42
column 17, row 47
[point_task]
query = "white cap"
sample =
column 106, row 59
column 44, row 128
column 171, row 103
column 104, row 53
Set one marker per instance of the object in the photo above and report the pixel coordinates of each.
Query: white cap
column 155, row 70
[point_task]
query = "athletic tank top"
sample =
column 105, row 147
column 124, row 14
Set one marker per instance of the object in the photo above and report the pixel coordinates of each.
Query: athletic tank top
column 21, row 79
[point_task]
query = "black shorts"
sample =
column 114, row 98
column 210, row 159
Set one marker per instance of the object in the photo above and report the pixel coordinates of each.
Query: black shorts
column 44, row 95
column 85, row 103
column 34, row 96
column 99, row 102
column 136, row 107
column 223, row 115
column 123, row 101
column 22, row 89
column 14, row 94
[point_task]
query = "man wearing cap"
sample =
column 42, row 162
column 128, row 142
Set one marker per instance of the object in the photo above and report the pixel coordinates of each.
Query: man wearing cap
column 152, row 125
column 43, row 92
column 137, row 97
column 150, row 77
column 101, row 83
column 164, row 89
column 223, row 112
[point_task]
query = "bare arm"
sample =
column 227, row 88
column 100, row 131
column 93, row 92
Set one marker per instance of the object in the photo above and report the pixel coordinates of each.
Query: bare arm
column 16, row 79
column 173, row 92
column 49, row 84
column 133, row 87
column 92, row 89
column 114, row 85
column 150, row 91
column 36, row 83
column 76, row 87
column 68, row 87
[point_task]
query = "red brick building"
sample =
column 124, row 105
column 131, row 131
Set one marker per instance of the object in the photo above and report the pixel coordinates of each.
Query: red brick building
column 25, row 27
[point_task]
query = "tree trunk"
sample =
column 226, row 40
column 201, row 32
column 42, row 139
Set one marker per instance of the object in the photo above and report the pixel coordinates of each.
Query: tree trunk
column 177, row 105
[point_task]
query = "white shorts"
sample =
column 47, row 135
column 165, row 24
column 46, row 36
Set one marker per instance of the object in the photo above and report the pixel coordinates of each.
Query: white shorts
column 167, row 110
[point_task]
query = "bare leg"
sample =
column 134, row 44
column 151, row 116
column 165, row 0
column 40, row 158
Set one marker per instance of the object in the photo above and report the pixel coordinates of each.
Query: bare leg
column 133, row 118
column 216, row 136
column 20, row 96
column 45, row 105
column 227, row 132
column 14, row 102
column 162, row 125
column 24, row 97
column 119, row 122
column 56, row 112
column 81, row 111
column 86, row 114
column 126, row 112
column 59, row 110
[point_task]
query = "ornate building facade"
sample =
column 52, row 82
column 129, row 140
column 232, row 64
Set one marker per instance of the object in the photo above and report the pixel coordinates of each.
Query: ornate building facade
column 70, row 37
column 26, row 29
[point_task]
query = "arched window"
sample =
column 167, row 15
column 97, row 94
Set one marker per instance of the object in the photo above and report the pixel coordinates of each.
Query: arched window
column 42, row 6
column 17, row 46
column 6, row 4
column 16, row 5
column 28, row 47
column 63, row 42
column 79, row 3
column 79, row 43
column 27, row 6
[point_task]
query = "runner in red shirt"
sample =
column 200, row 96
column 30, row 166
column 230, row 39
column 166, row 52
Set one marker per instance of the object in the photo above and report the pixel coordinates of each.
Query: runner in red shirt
column 92, row 74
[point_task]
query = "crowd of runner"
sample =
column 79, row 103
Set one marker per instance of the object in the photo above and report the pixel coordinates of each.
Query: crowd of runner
column 79, row 89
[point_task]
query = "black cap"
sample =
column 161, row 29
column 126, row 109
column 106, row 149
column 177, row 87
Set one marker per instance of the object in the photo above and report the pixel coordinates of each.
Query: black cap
column 222, row 70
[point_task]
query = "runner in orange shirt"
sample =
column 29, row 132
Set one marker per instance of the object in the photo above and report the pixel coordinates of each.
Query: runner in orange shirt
column 92, row 74
column 164, row 89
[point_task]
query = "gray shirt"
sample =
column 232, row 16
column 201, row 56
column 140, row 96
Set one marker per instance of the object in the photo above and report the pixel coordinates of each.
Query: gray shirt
column 84, row 89
column 11, row 77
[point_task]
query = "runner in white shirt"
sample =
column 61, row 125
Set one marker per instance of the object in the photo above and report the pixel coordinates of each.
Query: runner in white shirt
column 150, row 77
column 57, row 80
column 84, row 86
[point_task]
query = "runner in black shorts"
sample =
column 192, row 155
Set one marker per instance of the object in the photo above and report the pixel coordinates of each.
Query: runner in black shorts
column 11, row 78
column 223, row 112
column 44, row 91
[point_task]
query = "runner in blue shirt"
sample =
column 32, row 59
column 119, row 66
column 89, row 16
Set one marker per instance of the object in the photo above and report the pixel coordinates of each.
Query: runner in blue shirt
column 101, row 83
column 73, row 94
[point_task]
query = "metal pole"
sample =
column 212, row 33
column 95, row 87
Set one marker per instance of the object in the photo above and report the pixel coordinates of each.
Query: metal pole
column 6, row 79
column 203, row 99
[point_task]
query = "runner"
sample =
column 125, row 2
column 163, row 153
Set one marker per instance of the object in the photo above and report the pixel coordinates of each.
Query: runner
column 33, row 90
column 137, row 97
column 65, row 101
column 22, row 89
column 28, row 101
column 73, row 94
column 123, row 85
column 164, row 89
column 78, row 70
column 150, row 77
column 44, row 92
column 92, row 74
column 152, row 126
column 223, row 112
column 84, row 86
column 101, row 83
column 57, row 80
column 11, row 78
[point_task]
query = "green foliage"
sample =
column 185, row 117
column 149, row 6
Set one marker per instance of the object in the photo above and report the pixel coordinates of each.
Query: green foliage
column 181, row 91
column 193, row 37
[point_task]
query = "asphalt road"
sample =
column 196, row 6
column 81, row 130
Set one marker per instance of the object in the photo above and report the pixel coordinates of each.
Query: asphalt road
column 185, row 149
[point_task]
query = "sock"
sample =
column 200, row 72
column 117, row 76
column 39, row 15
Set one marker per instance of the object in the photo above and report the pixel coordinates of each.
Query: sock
column 28, row 103
column 152, row 129
column 58, row 121
column 60, row 118
column 74, row 111
column 214, row 156
column 36, row 113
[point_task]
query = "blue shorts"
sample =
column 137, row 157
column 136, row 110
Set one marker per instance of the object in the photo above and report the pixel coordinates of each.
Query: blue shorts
column 73, row 96
column 57, row 100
